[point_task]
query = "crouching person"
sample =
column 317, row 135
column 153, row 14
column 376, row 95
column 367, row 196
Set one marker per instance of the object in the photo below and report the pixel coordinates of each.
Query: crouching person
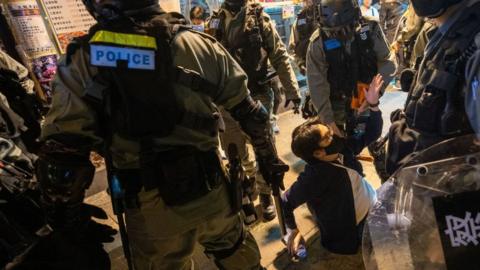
column 338, row 197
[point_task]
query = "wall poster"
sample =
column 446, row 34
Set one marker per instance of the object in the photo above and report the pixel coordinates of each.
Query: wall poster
column 69, row 19
column 30, row 29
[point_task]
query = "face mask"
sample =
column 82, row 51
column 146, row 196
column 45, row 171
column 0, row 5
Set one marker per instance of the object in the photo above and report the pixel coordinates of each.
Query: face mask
column 336, row 146
column 198, row 27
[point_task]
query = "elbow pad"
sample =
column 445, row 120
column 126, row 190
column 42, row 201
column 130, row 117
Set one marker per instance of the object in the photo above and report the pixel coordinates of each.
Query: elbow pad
column 254, row 120
column 252, row 116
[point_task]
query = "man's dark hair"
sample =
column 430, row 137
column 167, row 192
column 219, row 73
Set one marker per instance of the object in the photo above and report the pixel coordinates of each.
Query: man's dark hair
column 197, row 12
column 306, row 139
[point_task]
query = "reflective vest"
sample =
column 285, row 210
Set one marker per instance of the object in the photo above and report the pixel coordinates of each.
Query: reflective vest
column 435, row 105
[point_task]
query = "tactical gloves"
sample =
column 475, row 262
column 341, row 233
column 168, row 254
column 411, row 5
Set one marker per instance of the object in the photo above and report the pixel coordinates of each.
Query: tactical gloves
column 296, row 104
column 253, row 119
column 273, row 171
column 308, row 110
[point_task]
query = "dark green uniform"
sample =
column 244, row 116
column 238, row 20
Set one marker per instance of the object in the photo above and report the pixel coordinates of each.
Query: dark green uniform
column 442, row 100
column 302, row 29
column 329, row 89
column 253, row 41
column 162, row 233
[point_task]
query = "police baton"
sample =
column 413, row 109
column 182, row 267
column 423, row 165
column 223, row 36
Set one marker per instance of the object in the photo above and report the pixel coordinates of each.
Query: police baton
column 277, row 174
column 117, row 194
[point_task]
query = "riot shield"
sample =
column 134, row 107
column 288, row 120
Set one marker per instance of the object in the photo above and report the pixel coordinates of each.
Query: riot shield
column 428, row 213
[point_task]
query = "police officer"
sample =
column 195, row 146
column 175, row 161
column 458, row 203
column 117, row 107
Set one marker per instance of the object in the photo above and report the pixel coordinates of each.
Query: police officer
column 408, row 29
column 442, row 102
column 344, row 54
column 302, row 29
column 143, row 90
column 391, row 12
column 251, row 38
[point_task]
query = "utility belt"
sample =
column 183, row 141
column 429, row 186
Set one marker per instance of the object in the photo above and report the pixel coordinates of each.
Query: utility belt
column 181, row 175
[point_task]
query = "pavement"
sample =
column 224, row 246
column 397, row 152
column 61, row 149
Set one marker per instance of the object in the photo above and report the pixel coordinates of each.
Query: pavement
column 273, row 251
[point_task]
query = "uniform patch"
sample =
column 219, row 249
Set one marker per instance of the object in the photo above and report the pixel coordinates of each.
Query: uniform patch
column 109, row 56
column 332, row 44
column 475, row 85
column 302, row 21
column 364, row 32
column 214, row 23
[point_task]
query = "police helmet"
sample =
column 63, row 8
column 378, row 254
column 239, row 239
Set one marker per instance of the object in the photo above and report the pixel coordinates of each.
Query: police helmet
column 235, row 5
column 110, row 8
column 432, row 8
column 338, row 13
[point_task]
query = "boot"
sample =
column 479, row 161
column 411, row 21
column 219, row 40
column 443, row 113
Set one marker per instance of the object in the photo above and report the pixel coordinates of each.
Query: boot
column 268, row 208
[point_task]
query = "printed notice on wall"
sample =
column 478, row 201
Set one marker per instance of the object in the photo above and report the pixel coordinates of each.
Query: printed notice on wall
column 69, row 19
column 29, row 28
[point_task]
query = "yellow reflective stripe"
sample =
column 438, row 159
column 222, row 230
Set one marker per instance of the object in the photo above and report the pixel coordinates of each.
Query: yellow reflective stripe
column 131, row 40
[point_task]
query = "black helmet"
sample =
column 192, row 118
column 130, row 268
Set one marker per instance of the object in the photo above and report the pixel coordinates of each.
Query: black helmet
column 234, row 5
column 432, row 8
column 338, row 13
column 107, row 9
column 337, row 17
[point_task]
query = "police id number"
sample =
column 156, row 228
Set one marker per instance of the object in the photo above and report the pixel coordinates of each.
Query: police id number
column 108, row 56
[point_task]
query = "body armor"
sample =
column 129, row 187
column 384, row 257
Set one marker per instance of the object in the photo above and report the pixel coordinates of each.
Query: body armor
column 132, row 107
column 435, row 106
column 346, row 69
column 305, row 26
column 127, row 55
column 245, row 44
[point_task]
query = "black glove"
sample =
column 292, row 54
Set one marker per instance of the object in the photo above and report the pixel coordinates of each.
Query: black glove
column 308, row 110
column 296, row 104
column 58, row 251
column 94, row 231
column 76, row 223
column 273, row 170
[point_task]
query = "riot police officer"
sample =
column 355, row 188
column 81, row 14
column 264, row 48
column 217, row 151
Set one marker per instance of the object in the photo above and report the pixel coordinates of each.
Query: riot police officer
column 344, row 54
column 142, row 90
column 391, row 12
column 442, row 101
column 248, row 33
column 302, row 29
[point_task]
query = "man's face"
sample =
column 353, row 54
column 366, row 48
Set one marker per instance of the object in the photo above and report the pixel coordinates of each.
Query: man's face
column 197, row 21
column 327, row 138
column 326, row 134
column 367, row 3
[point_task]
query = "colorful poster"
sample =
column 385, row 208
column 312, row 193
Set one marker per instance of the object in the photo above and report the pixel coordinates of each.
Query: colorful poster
column 45, row 68
column 29, row 27
column 69, row 19
column 288, row 12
